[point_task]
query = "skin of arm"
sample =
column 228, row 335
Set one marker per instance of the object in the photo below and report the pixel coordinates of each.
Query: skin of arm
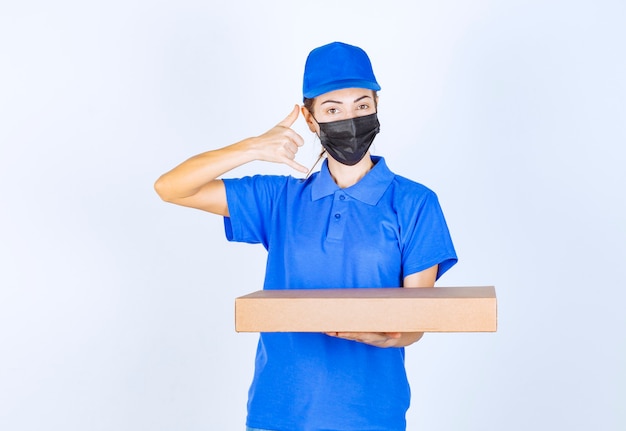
column 194, row 183
column 422, row 279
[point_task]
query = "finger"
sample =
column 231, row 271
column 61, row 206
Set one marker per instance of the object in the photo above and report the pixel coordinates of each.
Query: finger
column 291, row 118
column 371, row 336
column 291, row 148
column 297, row 166
column 351, row 335
column 294, row 137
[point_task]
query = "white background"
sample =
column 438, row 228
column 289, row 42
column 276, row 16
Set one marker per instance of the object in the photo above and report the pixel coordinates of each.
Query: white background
column 116, row 309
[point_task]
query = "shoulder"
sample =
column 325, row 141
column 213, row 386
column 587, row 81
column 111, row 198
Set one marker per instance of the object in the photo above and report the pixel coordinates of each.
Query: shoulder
column 406, row 189
column 397, row 183
column 410, row 185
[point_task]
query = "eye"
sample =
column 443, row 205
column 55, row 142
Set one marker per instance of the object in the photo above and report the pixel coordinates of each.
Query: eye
column 363, row 106
column 332, row 111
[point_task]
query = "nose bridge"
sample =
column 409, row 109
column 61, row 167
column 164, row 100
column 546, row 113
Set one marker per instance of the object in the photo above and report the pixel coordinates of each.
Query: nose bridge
column 351, row 110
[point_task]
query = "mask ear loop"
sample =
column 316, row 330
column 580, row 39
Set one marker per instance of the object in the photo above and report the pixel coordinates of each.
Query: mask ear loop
column 308, row 174
column 316, row 162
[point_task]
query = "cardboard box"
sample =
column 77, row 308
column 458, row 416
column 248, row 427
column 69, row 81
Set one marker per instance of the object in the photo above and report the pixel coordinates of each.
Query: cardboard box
column 439, row 309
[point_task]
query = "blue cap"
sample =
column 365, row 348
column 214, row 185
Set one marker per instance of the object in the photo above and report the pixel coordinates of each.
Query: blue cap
column 337, row 66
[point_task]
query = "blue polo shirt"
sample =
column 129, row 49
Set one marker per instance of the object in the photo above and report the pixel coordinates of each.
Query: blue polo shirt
column 318, row 235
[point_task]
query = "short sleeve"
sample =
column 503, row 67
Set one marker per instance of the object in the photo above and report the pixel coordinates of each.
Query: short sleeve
column 251, row 201
column 426, row 239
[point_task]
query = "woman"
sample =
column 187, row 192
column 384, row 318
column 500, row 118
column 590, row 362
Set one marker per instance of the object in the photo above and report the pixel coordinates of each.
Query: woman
column 353, row 224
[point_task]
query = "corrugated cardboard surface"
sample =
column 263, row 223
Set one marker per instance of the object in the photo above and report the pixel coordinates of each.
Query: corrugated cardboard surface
column 439, row 309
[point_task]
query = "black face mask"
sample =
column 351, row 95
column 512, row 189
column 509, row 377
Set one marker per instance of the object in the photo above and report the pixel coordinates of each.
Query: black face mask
column 347, row 141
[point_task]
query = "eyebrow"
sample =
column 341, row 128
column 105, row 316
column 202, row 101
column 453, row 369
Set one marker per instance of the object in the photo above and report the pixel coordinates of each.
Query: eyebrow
column 341, row 103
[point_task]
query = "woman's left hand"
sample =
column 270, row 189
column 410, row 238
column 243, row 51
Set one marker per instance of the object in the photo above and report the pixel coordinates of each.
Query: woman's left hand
column 379, row 339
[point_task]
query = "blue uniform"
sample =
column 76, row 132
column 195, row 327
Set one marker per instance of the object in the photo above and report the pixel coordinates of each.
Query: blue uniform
column 318, row 235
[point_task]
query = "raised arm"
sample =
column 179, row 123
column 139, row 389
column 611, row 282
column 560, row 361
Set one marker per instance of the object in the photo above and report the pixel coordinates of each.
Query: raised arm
column 194, row 183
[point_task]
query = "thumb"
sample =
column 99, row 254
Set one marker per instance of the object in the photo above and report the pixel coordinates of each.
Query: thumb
column 291, row 118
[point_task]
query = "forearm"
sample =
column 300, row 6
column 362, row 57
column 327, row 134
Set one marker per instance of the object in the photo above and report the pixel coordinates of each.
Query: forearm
column 380, row 339
column 193, row 182
column 408, row 338
column 190, row 176
column 423, row 279
column 420, row 280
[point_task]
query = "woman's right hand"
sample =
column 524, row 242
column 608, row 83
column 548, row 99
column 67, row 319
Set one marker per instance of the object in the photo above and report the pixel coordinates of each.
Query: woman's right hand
column 281, row 143
column 194, row 183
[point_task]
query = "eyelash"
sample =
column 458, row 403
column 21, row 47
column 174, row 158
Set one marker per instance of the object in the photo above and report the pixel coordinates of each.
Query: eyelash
column 363, row 106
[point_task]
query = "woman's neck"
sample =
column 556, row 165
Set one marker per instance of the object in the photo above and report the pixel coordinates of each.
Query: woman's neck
column 346, row 176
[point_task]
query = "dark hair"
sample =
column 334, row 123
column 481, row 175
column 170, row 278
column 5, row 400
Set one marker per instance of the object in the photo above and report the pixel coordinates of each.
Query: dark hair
column 308, row 104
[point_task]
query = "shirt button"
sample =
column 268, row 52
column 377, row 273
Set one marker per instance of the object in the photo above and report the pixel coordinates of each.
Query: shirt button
column 337, row 216
column 342, row 197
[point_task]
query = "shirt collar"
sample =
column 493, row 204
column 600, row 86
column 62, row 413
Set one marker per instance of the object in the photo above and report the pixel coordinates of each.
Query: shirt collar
column 368, row 190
